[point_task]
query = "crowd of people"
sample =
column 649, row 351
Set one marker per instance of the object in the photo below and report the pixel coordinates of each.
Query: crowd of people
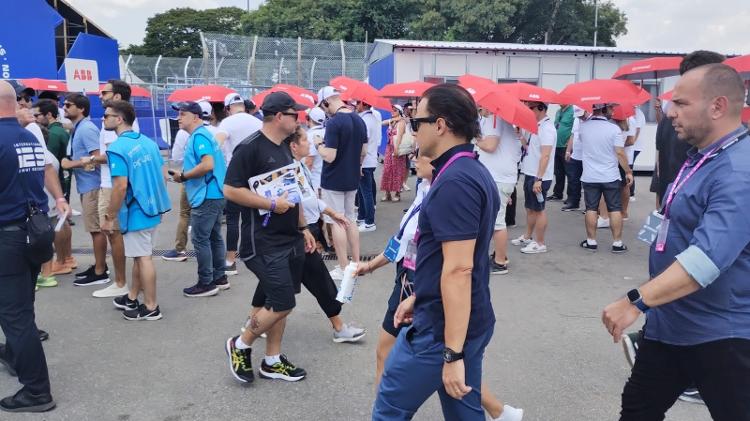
column 451, row 239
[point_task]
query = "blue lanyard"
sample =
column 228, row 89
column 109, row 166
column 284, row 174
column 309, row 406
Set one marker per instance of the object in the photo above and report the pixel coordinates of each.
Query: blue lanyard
column 411, row 215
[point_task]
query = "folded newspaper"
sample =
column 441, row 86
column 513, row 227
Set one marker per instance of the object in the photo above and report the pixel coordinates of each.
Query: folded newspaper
column 289, row 179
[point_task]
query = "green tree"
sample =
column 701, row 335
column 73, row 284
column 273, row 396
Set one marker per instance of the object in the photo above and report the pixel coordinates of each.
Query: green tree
column 175, row 33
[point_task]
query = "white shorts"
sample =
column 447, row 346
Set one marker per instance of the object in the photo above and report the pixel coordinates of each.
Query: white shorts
column 505, row 190
column 342, row 202
column 139, row 243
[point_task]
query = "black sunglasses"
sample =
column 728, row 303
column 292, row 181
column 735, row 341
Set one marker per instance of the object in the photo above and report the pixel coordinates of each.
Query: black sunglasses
column 289, row 114
column 414, row 122
column 105, row 92
column 105, row 116
column 68, row 104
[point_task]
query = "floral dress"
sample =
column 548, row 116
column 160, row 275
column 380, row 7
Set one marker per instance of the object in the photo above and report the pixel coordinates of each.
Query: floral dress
column 394, row 167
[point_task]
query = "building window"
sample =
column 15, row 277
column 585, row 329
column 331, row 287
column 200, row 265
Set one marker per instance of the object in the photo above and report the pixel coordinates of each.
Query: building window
column 441, row 79
column 529, row 81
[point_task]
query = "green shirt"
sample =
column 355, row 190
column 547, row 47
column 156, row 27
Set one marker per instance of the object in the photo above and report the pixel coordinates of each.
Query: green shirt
column 57, row 143
column 564, row 125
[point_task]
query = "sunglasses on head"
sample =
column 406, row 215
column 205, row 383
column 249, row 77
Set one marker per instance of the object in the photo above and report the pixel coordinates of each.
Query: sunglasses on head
column 415, row 122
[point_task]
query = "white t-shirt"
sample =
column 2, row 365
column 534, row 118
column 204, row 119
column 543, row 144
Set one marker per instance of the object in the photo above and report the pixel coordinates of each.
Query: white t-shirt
column 410, row 230
column 178, row 148
column 312, row 205
column 106, row 138
column 50, row 159
column 317, row 167
column 503, row 162
column 547, row 136
column 373, row 122
column 599, row 138
column 640, row 123
column 630, row 150
column 237, row 127
column 576, row 148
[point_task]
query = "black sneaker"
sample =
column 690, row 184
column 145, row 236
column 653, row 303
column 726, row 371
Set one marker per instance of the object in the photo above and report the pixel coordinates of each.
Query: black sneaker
column 142, row 313
column 200, row 290
column 124, row 302
column 5, row 362
column 569, row 208
column 25, row 401
column 239, row 361
column 692, row 395
column 554, row 198
column 231, row 269
column 90, row 271
column 43, row 336
column 283, row 370
column 498, row 269
column 222, row 283
column 590, row 247
column 619, row 249
column 92, row 279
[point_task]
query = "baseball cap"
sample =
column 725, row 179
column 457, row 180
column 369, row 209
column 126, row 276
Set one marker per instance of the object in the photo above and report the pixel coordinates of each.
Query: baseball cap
column 317, row 115
column 202, row 109
column 578, row 111
column 399, row 108
column 232, row 99
column 278, row 102
column 326, row 92
column 205, row 109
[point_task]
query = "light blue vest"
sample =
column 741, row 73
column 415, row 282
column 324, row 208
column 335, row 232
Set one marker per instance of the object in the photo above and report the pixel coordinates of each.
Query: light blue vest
column 146, row 186
column 196, row 188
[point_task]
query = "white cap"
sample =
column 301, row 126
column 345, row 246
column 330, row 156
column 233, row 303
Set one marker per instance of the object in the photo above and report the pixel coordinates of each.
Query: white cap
column 233, row 98
column 399, row 108
column 578, row 111
column 326, row 92
column 206, row 108
column 317, row 115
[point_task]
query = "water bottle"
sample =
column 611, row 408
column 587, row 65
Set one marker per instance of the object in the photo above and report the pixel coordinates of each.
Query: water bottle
column 540, row 197
column 347, row 284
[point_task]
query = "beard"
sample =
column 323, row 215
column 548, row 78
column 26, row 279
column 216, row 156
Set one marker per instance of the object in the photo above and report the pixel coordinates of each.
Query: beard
column 696, row 133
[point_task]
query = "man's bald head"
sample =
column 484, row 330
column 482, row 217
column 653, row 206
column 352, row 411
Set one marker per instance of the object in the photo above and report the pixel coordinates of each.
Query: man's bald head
column 720, row 80
column 7, row 100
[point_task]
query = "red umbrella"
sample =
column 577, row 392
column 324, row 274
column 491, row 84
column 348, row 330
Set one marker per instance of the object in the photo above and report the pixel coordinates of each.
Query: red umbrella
column 210, row 93
column 300, row 95
column 666, row 96
column 509, row 109
column 622, row 111
column 135, row 91
column 527, row 92
column 741, row 64
column 603, row 91
column 367, row 94
column 45, row 85
column 344, row 84
column 405, row 90
column 650, row 68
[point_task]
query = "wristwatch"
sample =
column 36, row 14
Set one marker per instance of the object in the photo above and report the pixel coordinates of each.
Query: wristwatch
column 450, row 355
column 635, row 298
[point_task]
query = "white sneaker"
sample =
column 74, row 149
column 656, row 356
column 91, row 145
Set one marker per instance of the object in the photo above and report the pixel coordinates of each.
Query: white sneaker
column 367, row 228
column 534, row 248
column 75, row 212
column 521, row 241
column 337, row 274
column 510, row 414
column 348, row 333
column 111, row 291
column 632, row 198
column 405, row 187
column 602, row 223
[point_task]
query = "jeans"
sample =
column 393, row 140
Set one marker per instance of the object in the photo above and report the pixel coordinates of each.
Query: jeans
column 413, row 372
column 205, row 221
column 560, row 173
column 574, row 170
column 366, row 196
column 180, row 243
column 720, row 370
column 233, row 225
column 23, row 349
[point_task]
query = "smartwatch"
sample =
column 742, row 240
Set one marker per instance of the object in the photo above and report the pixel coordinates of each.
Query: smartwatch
column 450, row 355
column 635, row 298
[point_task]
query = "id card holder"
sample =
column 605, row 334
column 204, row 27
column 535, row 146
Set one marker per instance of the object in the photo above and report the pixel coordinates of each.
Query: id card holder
column 650, row 229
column 661, row 237
column 410, row 257
column 391, row 249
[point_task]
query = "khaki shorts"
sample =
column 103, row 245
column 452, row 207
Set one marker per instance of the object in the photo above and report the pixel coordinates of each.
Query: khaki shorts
column 90, row 210
column 505, row 190
column 139, row 243
column 104, row 199
column 340, row 201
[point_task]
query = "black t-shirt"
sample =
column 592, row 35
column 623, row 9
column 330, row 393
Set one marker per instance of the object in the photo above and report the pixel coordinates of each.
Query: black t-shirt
column 672, row 154
column 253, row 156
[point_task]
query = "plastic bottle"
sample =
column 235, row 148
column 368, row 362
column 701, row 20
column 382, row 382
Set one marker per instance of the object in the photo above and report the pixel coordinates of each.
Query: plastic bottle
column 346, row 291
column 540, row 197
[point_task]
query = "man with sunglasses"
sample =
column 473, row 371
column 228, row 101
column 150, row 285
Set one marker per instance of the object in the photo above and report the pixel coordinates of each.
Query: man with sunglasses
column 273, row 245
column 451, row 312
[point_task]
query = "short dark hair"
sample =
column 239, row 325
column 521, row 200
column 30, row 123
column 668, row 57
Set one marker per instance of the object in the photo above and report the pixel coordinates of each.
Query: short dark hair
column 220, row 113
column 124, row 108
column 722, row 80
column 48, row 106
column 296, row 136
column 456, row 106
column 48, row 95
column 120, row 87
column 699, row 58
column 80, row 101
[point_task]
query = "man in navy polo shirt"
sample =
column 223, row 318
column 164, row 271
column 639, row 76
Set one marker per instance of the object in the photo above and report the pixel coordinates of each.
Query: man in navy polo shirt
column 452, row 315
column 697, row 302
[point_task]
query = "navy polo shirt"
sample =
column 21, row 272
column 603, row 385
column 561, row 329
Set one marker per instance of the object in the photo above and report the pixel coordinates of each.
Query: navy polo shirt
column 345, row 132
column 462, row 205
column 709, row 234
column 22, row 174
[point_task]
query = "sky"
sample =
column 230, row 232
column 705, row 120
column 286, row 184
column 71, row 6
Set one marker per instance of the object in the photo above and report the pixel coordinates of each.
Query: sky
column 669, row 25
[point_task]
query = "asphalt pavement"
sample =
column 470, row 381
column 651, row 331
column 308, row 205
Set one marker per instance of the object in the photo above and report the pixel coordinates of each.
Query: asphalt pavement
column 550, row 353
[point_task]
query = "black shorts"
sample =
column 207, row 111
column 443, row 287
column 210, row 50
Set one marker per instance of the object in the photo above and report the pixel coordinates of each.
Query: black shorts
column 397, row 295
column 279, row 276
column 593, row 192
column 529, row 197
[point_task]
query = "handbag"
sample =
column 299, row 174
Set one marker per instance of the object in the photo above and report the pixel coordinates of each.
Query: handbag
column 406, row 146
column 40, row 235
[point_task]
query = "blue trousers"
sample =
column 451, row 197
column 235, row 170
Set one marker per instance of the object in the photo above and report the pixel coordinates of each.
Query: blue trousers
column 210, row 252
column 414, row 371
column 366, row 196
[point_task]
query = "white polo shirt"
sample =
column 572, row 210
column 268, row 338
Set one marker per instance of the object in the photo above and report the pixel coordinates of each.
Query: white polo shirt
column 630, row 150
column 317, row 167
column 237, row 127
column 547, row 136
column 576, row 148
column 106, row 138
column 640, row 123
column 503, row 162
column 373, row 122
column 599, row 138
